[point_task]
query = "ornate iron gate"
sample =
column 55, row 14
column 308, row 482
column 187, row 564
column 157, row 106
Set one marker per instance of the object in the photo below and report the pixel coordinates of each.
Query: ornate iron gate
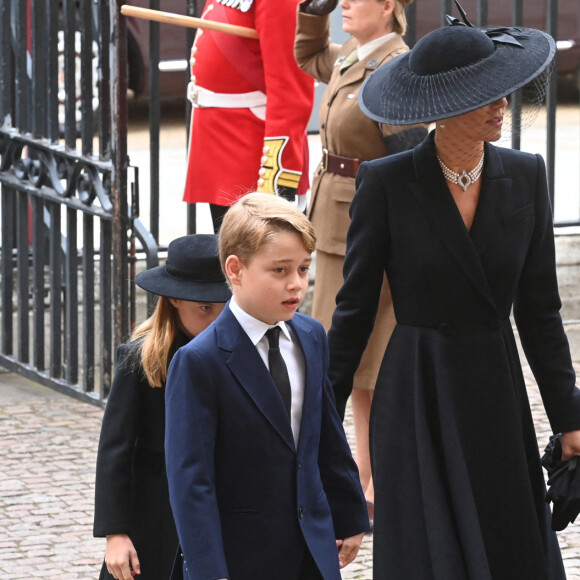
column 65, row 219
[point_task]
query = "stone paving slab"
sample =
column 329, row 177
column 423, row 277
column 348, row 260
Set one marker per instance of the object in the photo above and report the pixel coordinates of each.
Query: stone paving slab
column 48, row 445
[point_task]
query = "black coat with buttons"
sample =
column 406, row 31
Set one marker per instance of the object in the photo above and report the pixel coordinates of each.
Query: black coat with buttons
column 459, row 490
column 131, row 494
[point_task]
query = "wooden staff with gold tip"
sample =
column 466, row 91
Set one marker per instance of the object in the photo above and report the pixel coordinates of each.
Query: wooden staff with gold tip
column 188, row 21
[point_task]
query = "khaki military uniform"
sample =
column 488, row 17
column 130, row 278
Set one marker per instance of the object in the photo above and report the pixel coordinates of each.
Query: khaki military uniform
column 344, row 131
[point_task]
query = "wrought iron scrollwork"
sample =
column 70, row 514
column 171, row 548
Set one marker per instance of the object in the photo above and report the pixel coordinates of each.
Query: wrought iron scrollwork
column 80, row 180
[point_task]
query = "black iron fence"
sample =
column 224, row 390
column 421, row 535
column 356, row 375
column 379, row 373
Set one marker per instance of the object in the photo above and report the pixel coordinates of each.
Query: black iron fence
column 70, row 229
column 65, row 219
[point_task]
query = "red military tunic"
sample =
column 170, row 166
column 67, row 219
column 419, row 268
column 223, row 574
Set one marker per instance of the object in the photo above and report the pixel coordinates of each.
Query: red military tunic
column 236, row 149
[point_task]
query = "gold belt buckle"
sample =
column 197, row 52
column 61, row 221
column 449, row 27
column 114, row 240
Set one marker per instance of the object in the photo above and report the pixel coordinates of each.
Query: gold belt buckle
column 324, row 159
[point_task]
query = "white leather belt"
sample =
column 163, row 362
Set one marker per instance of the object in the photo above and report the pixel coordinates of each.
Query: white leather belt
column 201, row 97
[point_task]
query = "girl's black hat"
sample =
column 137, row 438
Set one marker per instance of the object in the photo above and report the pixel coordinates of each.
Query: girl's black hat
column 191, row 272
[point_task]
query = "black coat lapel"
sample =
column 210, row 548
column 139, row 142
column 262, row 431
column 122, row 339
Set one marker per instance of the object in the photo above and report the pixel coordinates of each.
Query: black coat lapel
column 496, row 190
column 433, row 196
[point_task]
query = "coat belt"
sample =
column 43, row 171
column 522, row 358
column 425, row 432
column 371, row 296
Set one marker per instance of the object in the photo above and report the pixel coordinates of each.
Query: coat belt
column 201, row 97
column 345, row 166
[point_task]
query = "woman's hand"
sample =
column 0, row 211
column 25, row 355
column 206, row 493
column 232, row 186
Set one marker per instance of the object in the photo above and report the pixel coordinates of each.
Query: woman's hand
column 348, row 549
column 318, row 7
column 121, row 557
column 570, row 444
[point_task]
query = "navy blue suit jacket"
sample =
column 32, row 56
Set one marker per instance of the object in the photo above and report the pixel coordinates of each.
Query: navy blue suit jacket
column 246, row 501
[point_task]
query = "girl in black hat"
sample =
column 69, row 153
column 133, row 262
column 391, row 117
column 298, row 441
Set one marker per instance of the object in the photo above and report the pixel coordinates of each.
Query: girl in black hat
column 463, row 230
column 131, row 497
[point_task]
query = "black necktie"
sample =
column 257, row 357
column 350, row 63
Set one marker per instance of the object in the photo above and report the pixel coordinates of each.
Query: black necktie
column 278, row 368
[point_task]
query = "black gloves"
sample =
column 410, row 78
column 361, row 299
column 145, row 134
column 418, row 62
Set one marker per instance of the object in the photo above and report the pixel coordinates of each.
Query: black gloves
column 564, row 484
column 318, row 7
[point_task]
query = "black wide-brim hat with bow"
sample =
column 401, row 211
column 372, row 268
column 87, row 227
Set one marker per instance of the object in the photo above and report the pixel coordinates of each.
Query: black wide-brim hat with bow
column 191, row 272
column 454, row 70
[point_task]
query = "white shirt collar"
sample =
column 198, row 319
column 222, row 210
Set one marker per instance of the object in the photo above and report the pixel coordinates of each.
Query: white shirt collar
column 365, row 50
column 253, row 327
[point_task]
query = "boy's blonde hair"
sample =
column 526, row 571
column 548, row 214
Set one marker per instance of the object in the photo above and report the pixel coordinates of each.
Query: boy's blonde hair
column 254, row 220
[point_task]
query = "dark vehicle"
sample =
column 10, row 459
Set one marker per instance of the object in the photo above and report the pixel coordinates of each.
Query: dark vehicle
column 173, row 58
column 174, row 51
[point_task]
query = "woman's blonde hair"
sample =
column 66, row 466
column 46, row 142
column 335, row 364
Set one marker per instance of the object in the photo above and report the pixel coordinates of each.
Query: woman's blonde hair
column 400, row 20
column 254, row 220
column 157, row 335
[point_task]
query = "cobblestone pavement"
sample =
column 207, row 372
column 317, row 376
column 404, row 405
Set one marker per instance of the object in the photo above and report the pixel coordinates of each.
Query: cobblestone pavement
column 48, row 445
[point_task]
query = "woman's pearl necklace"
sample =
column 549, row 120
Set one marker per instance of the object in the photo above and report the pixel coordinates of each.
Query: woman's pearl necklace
column 465, row 178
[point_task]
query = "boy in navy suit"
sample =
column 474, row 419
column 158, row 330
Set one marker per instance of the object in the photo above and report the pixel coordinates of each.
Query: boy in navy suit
column 262, row 482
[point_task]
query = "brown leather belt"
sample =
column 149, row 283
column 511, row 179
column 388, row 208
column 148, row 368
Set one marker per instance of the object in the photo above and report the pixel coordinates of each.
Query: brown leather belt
column 345, row 166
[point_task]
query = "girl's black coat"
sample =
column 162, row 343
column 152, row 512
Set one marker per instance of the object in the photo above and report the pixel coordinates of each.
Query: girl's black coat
column 458, row 482
column 131, row 495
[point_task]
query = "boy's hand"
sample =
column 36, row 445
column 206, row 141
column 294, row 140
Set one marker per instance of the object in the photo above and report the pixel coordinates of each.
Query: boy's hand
column 348, row 549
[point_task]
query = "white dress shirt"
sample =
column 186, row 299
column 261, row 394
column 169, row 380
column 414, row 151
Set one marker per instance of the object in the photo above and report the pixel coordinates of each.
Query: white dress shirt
column 291, row 352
